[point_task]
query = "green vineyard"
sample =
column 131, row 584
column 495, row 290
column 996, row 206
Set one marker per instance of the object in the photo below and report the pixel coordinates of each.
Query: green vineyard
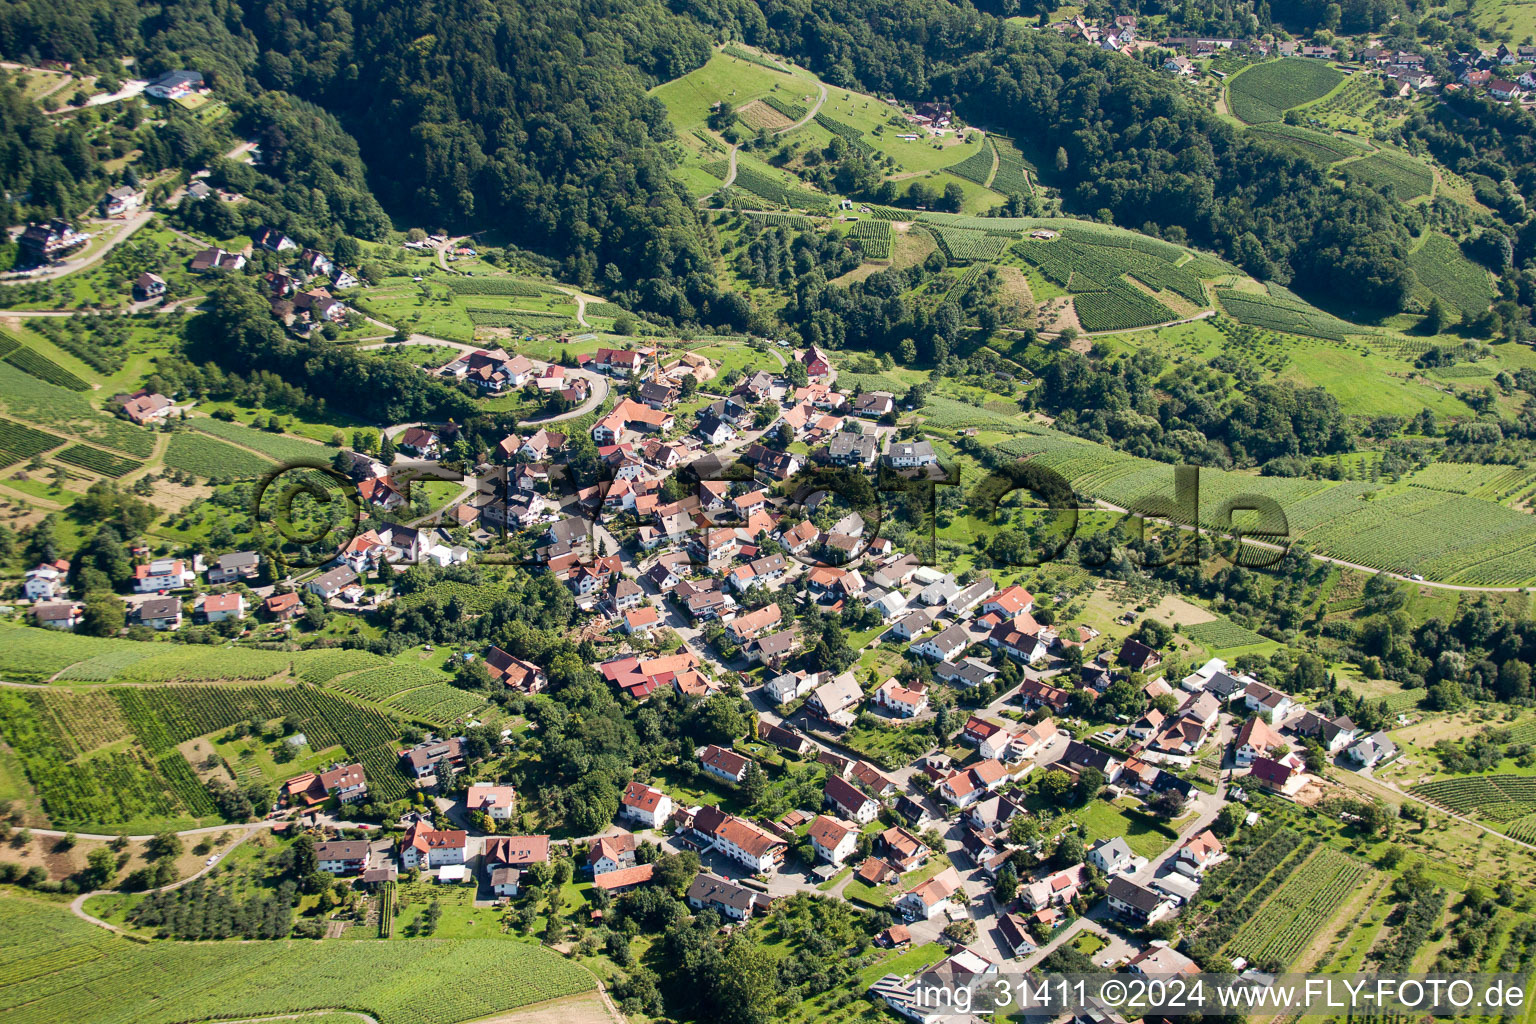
column 47, row 405
column 59, row 968
column 98, row 461
column 206, row 457
column 962, row 245
column 31, row 361
column 494, row 286
column 19, row 443
column 1221, row 634
column 1264, row 93
column 874, row 237
column 1303, row 904
column 1408, row 177
column 1440, row 267
column 976, row 167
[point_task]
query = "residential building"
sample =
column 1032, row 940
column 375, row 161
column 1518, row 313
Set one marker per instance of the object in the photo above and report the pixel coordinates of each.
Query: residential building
column 61, row 615
column 1258, row 739
column 424, row 759
column 1201, row 852
column 161, row 613
column 345, row 782
column 218, row 607
column 744, row 842
column 729, row 900
column 233, row 567
column 724, row 764
column 833, row 840
column 646, row 804
column 161, row 574
column 1137, row 904
column 425, row 847
column 1110, row 856
column 907, row 702
column 926, row 899
column 612, row 853
column 497, row 802
column 850, row 802
column 944, row 646
column 342, row 856
column 1372, row 750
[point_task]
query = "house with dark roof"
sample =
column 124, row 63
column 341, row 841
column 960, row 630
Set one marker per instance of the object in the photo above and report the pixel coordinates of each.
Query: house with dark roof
column 1137, row 904
column 1137, row 656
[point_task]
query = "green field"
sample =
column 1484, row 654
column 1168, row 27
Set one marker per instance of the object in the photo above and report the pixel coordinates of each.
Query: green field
column 1306, row 143
column 725, row 78
column 1263, row 93
column 61, row 968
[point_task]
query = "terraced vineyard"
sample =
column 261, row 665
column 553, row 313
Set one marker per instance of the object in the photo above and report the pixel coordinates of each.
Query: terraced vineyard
column 1264, row 93
column 278, row 446
column 874, row 238
column 381, row 683
column 31, row 361
column 847, row 133
column 775, row 191
column 1220, row 634
column 793, row 221
column 962, row 245
column 1489, row 796
column 439, row 702
column 321, row 667
column 19, row 442
column 1119, row 307
column 1408, row 177
column 1012, row 177
column 977, row 166
column 46, row 405
column 98, row 461
column 1308, row 898
column 1283, row 312
column 145, row 781
column 209, row 458
column 1440, row 267
column 59, row 968
column 464, row 285
column 1304, row 142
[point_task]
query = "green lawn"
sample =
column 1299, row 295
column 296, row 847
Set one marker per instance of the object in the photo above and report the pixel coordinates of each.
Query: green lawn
column 690, row 98
column 1103, row 820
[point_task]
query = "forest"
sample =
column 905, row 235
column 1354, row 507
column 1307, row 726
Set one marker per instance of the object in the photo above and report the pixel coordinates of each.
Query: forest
column 534, row 117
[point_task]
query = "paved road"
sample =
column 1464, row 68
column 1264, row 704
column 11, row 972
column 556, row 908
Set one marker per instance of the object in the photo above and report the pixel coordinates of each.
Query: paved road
column 69, row 266
column 77, row 905
column 815, row 109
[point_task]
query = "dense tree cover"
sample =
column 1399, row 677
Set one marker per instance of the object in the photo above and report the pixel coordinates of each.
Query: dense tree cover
column 309, row 184
column 239, row 333
column 1189, row 415
column 1133, row 147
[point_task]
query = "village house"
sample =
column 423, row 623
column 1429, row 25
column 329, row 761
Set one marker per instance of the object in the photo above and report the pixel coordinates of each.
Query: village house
column 749, row 845
column 342, row 856
column 1137, row 904
column 836, row 699
column 159, row 613
column 61, row 615
column 729, row 900
column 234, row 567
column 724, row 764
column 1201, row 852
column 45, row 581
column 612, row 853
column 849, row 802
column 161, row 574
column 495, row 801
column 1055, row 889
column 833, row 840
column 1257, row 739
column 925, row 900
column 425, row 758
column 906, row 702
column 213, row 608
column 646, row 804
column 425, row 847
